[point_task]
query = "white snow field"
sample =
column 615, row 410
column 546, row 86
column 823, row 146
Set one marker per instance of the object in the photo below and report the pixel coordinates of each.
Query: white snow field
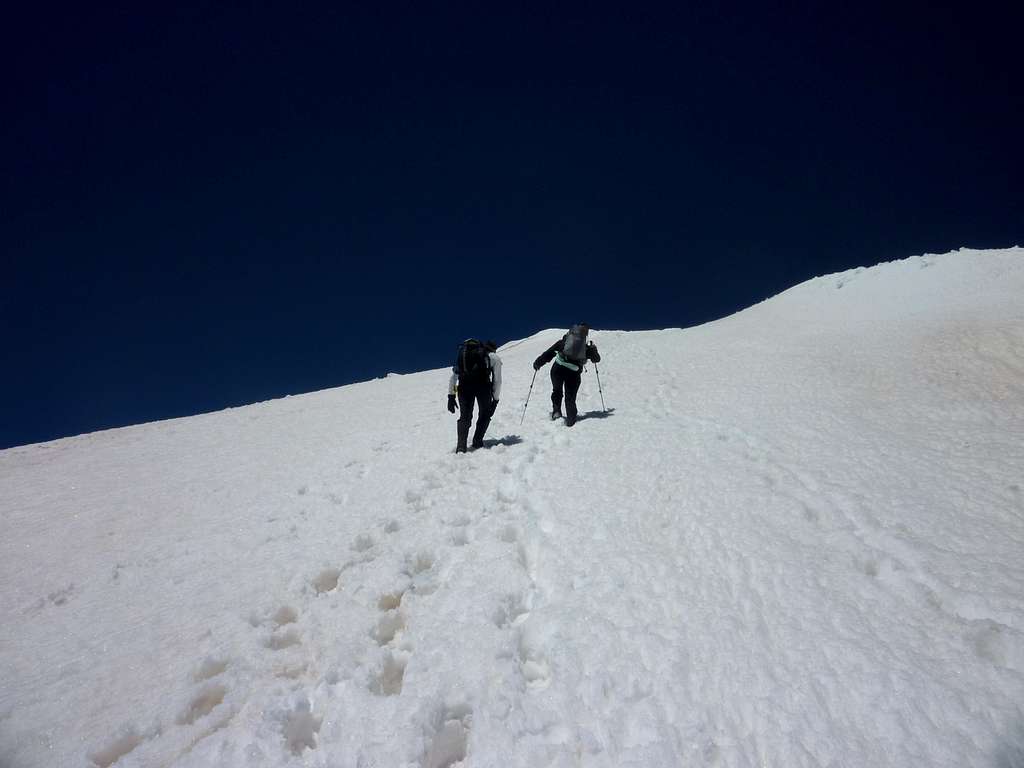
column 795, row 539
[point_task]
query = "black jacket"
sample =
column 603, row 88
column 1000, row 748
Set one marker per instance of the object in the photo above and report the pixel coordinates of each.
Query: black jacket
column 549, row 354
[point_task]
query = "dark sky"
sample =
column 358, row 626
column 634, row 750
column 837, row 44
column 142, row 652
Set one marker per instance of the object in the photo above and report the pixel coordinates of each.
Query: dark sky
column 214, row 206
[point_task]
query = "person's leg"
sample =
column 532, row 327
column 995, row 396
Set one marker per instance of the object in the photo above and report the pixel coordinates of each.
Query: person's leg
column 466, row 397
column 572, row 386
column 557, row 379
column 482, row 418
column 483, row 400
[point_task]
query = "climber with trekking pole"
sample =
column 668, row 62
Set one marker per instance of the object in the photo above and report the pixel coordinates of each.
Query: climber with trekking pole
column 570, row 354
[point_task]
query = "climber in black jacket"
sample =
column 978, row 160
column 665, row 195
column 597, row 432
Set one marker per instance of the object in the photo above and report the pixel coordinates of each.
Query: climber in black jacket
column 570, row 354
column 476, row 377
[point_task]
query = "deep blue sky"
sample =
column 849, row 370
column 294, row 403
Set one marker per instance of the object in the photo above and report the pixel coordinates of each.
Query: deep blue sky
column 210, row 207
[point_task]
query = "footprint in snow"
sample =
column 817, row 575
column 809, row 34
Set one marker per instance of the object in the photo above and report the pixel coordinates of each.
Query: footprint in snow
column 359, row 469
column 869, row 567
column 419, row 563
column 202, row 704
column 527, row 555
column 512, row 611
column 390, row 600
column 810, row 514
column 388, row 627
column 120, row 745
column 282, row 639
column 387, row 679
column 532, row 661
column 508, row 490
column 875, row 566
column 326, row 581
column 416, row 499
column 996, row 643
column 285, row 615
column 362, row 543
column 209, row 668
column 433, row 481
column 58, row 598
column 451, row 738
column 420, row 567
column 300, row 728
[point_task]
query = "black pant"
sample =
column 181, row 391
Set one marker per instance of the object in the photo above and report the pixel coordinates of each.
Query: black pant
column 570, row 380
column 470, row 391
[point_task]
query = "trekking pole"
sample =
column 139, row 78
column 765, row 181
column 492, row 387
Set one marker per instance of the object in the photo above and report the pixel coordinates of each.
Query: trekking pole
column 527, row 403
column 598, row 372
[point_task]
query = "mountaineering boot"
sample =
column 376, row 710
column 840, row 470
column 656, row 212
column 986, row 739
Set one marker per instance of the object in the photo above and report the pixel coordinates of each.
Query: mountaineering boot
column 463, row 433
column 556, row 414
column 570, row 420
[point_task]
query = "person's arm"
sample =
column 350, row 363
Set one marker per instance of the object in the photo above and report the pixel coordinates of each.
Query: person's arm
column 549, row 355
column 451, row 392
column 592, row 353
column 496, row 377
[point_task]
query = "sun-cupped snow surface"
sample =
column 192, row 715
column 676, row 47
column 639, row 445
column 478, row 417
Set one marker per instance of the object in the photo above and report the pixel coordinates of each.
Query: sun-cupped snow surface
column 794, row 538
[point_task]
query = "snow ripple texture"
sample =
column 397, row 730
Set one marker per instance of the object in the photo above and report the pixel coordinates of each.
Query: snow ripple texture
column 796, row 538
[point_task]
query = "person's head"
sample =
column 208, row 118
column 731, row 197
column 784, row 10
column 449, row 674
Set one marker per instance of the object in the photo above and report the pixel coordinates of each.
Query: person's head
column 490, row 346
column 583, row 328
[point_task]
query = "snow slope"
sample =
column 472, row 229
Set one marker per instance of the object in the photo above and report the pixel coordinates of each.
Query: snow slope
column 796, row 539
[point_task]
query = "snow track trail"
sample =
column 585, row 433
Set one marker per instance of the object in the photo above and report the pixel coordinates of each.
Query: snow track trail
column 794, row 539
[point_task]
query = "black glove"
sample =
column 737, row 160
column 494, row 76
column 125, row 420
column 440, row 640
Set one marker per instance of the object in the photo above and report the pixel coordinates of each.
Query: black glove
column 537, row 364
column 494, row 406
column 451, row 403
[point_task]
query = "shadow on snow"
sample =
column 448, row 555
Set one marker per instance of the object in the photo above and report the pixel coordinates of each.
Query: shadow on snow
column 507, row 440
column 595, row 414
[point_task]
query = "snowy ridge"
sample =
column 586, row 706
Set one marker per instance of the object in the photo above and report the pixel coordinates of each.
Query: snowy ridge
column 796, row 538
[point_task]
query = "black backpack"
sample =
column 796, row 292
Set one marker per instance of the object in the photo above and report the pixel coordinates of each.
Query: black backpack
column 472, row 360
column 574, row 347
